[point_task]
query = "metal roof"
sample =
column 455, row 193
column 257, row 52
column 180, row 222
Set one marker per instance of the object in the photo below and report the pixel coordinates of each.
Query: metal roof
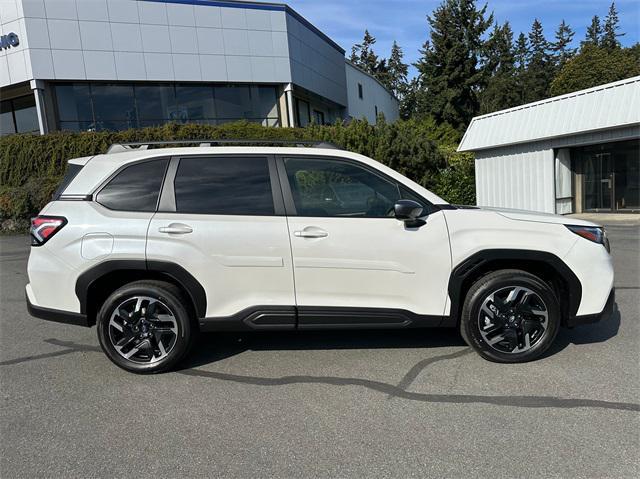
column 603, row 107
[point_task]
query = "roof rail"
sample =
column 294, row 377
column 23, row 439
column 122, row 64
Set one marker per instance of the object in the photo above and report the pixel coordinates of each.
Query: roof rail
column 144, row 145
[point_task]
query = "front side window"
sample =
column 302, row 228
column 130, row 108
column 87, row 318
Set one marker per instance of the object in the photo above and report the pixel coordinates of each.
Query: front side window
column 136, row 188
column 224, row 186
column 339, row 188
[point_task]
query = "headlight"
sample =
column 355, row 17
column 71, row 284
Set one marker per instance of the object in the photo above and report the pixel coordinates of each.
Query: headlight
column 597, row 234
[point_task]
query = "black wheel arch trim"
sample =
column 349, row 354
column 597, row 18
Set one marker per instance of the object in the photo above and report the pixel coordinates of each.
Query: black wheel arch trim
column 474, row 263
column 173, row 271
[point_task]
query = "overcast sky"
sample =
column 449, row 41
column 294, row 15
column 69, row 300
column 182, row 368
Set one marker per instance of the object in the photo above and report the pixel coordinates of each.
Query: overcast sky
column 405, row 20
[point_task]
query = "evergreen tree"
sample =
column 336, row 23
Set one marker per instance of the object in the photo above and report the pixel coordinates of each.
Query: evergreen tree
column 609, row 36
column 539, row 73
column 521, row 54
column 501, row 90
column 561, row 48
column 398, row 71
column 594, row 32
column 363, row 56
column 449, row 70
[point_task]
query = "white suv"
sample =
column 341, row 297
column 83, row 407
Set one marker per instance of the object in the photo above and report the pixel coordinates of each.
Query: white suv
column 154, row 245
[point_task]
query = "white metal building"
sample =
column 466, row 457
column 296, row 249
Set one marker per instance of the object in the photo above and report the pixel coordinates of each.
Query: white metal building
column 116, row 64
column 568, row 154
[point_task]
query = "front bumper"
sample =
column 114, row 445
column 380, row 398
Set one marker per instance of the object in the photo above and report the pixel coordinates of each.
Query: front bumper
column 605, row 314
column 56, row 315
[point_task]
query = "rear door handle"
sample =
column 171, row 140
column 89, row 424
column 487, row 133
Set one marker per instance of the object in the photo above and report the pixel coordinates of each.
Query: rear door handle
column 311, row 233
column 176, row 229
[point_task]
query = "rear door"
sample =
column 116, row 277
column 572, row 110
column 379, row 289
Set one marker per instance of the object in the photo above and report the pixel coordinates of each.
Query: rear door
column 222, row 219
column 355, row 263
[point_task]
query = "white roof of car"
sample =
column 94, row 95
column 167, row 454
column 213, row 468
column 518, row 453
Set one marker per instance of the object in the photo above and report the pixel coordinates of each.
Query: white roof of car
column 99, row 168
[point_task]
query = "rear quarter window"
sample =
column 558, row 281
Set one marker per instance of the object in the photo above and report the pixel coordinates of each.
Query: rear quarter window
column 72, row 171
column 136, row 188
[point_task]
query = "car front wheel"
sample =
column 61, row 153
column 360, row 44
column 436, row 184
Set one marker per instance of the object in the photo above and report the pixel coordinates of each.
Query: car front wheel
column 145, row 327
column 510, row 316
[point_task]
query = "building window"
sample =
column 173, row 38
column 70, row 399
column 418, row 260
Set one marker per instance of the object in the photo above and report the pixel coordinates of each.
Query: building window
column 360, row 91
column 318, row 117
column 376, row 113
column 103, row 106
column 19, row 115
column 303, row 112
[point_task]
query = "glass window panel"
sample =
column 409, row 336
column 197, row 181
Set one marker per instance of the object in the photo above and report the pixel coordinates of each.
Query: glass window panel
column 6, row 118
column 156, row 103
column 264, row 102
column 339, row 188
column 74, row 102
column 136, row 188
column 233, row 102
column 224, row 186
column 113, row 106
column 26, row 114
column 195, row 103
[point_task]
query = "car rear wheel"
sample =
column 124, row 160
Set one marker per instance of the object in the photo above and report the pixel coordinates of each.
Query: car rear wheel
column 145, row 327
column 510, row 316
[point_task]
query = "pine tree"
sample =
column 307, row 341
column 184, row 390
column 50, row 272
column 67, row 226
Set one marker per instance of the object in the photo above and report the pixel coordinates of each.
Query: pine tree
column 363, row 56
column 501, row 90
column 594, row 32
column 449, row 70
column 561, row 48
column 539, row 73
column 398, row 71
column 609, row 36
column 521, row 54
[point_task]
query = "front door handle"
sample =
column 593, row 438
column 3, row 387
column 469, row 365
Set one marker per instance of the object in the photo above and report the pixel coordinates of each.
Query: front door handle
column 311, row 233
column 176, row 229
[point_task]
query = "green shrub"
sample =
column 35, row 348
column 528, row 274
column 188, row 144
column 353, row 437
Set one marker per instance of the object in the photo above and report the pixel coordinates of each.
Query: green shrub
column 31, row 166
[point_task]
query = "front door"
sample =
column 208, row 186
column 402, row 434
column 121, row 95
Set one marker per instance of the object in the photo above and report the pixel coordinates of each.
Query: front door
column 220, row 220
column 598, row 182
column 354, row 263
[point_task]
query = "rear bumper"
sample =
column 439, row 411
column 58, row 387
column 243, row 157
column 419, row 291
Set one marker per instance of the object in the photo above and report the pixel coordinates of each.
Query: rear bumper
column 605, row 314
column 56, row 315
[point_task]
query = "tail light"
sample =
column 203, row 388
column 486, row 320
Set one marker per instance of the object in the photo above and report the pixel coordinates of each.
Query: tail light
column 43, row 228
column 596, row 234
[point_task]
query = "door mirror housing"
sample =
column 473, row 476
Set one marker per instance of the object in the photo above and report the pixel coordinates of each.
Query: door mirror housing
column 410, row 212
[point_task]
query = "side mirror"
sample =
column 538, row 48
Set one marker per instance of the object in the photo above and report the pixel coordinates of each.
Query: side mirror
column 410, row 212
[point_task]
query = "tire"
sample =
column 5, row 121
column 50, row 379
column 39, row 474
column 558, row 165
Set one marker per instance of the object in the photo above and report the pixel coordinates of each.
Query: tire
column 510, row 316
column 146, row 327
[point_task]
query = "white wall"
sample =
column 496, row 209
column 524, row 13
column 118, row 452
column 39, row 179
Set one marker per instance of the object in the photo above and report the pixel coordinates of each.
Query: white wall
column 143, row 40
column 521, row 178
column 374, row 94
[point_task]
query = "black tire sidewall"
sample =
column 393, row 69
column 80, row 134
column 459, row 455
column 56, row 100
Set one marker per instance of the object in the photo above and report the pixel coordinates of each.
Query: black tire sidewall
column 172, row 301
column 469, row 326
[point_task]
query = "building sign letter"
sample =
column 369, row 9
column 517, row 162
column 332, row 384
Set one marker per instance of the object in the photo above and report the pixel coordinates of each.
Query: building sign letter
column 9, row 40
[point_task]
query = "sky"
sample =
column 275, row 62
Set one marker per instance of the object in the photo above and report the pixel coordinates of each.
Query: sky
column 406, row 20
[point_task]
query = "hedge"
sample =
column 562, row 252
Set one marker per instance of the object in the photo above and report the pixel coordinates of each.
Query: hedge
column 31, row 166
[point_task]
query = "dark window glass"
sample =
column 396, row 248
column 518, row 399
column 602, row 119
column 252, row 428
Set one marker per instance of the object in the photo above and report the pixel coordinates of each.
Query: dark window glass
column 72, row 171
column 74, row 102
column 156, row 104
column 318, row 117
column 136, row 188
column 195, row 103
column 224, row 186
column 233, row 102
column 113, row 106
column 339, row 188
column 360, row 92
column 6, row 118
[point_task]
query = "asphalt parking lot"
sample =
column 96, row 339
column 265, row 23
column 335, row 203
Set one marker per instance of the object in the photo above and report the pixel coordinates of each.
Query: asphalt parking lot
column 343, row 404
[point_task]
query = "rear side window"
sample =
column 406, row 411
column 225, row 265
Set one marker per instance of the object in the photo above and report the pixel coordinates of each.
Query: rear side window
column 224, row 186
column 72, row 171
column 136, row 188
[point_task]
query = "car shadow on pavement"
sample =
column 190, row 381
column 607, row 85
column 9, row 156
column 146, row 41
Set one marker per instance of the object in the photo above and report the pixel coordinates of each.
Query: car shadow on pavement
column 587, row 334
column 213, row 347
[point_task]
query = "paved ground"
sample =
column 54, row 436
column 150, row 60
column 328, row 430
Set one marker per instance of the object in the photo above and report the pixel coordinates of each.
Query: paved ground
column 379, row 404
